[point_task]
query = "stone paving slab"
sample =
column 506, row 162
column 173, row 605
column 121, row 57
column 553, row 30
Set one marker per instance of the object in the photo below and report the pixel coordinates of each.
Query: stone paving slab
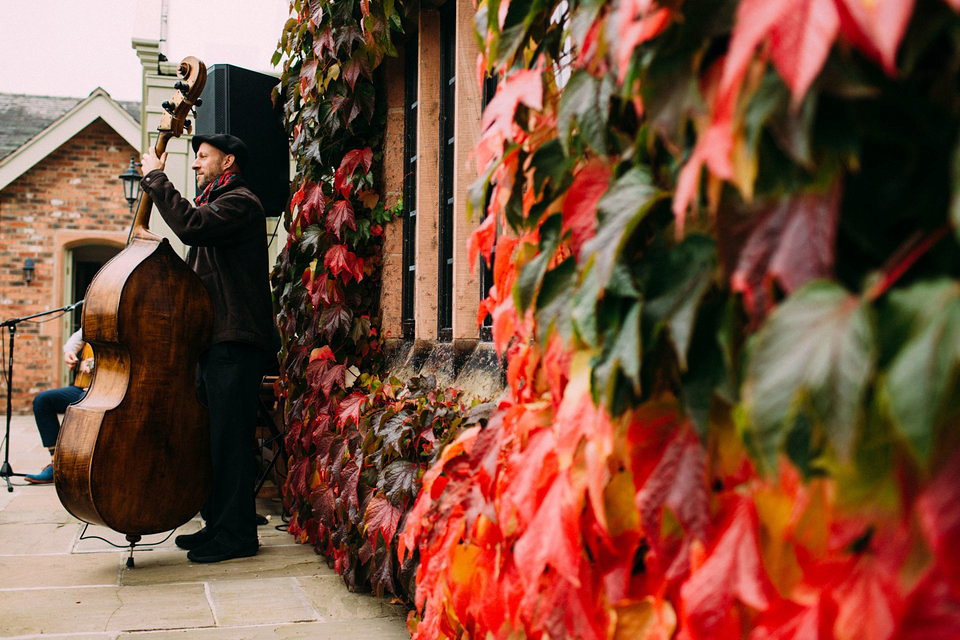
column 332, row 600
column 61, row 582
column 56, row 570
column 377, row 629
column 265, row 601
column 104, row 609
column 161, row 566
column 45, row 538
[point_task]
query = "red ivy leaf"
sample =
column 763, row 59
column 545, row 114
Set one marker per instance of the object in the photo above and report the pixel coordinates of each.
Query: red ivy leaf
column 341, row 213
column 351, row 160
column 792, row 243
column 356, row 66
column 801, row 35
column 553, row 536
column 381, row 517
column 336, row 259
column 341, row 262
column 350, row 408
column 789, row 621
column 333, row 319
column 522, row 87
column 297, row 479
column 321, row 437
column 308, row 76
column 940, row 519
column 334, row 375
column 531, row 470
column 323, row 41
column 715, row 144
column 869, row 600
column 400, row 481
column 580, row 205
column 322, row 353
column 679, row 482
column 323, row 501
column 733, row 572
column 349, row 481
column 326, row 290
column 637, row 25
column 481, row 241
column 381, row 578
column 310, row 196
column 316, row 371
column 574, row 611
column 932, row 612
column 324, row 443
column 876, row 27
column 801, row 39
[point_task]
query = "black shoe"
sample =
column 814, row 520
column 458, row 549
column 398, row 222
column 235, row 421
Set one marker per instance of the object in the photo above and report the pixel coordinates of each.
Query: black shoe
column 194, row 540
column 218, row 550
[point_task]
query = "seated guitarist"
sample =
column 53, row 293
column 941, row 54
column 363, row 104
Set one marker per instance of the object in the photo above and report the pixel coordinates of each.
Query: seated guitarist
column 48, row 405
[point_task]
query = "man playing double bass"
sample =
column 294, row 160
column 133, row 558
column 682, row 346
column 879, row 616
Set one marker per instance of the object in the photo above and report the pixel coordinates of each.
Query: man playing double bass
column 226, row 230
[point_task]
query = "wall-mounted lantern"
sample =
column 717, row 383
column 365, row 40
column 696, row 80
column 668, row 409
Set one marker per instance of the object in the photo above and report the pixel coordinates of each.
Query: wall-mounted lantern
column 28, row 270
column 131, row 183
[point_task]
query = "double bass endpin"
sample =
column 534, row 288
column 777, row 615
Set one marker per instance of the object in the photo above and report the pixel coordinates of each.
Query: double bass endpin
column 133, row 539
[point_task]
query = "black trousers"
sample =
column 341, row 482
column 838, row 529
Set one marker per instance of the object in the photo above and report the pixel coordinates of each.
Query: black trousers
column 228, row 383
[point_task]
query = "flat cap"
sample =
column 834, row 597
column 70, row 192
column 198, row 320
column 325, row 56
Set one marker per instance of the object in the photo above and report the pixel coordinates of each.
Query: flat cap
column 225, row 143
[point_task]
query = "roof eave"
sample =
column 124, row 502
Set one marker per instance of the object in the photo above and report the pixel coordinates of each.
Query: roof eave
column 98, row 104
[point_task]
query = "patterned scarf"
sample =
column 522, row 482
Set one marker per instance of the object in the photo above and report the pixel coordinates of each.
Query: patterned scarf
column 223, row 180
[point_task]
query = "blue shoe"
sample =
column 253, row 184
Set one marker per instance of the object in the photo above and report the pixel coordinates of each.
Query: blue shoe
column 44, row 477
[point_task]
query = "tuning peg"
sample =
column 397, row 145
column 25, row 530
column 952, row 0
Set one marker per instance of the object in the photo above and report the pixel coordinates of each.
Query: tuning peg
column 198, row 102
column 188, row 125
column 167, row 106
column 182, row 87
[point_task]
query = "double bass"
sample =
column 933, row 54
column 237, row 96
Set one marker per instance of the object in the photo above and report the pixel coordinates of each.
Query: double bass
column 134, row 454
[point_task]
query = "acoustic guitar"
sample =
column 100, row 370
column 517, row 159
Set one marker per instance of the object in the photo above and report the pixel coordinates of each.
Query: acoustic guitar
column 84, row 373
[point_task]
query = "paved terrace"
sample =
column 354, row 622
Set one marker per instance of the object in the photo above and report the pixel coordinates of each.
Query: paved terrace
column 53, row 584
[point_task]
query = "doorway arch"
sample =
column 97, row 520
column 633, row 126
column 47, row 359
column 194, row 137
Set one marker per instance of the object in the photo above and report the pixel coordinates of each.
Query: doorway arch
column 81, row 255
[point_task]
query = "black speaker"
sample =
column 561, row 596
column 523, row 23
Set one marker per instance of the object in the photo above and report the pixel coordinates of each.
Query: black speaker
column 237, row 101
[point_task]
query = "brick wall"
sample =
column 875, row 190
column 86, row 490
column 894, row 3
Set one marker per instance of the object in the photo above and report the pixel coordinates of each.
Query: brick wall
column 72, row 197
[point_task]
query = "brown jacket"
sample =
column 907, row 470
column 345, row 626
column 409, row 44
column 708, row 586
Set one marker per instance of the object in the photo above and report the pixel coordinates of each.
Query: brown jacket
column 228, row 250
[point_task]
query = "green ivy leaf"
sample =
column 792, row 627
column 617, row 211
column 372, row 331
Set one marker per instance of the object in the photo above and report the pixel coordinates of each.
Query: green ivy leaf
column 553, row 303
column 626, row 203
column 708, row 375
column 550, row 165
column 676, row 284
column 922, row 377
column 817, row 348
column 622, row 352
column 531, row 274
column 585, row 102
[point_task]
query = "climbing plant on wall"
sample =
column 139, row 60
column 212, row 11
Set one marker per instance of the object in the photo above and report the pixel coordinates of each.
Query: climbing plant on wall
column 726, row 295
column 326, row 281
column 726, row 287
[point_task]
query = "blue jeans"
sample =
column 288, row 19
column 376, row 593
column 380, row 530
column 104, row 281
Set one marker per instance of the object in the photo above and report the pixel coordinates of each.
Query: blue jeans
column 47, row 405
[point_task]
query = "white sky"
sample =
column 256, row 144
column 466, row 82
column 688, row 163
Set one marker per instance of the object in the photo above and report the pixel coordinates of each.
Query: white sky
column 71, row 47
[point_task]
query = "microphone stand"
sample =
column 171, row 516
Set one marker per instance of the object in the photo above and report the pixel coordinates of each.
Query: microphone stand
column 6, row 471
